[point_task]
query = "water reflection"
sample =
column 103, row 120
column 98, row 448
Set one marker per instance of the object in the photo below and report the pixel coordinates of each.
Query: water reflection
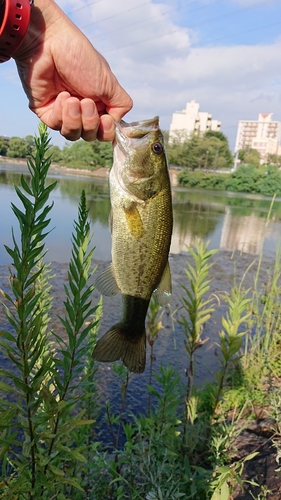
column 66, row 198
column 230, row 221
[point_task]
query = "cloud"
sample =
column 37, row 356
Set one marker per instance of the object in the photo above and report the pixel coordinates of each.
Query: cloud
column 137, row 30
column 149, row 49
column 237, row 66
column 231, row 83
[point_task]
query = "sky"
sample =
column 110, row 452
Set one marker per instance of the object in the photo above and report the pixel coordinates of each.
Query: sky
column 224, row 54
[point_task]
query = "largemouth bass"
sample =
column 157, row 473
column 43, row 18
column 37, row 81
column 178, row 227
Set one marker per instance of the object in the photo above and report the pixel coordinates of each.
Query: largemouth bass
column 141, row 229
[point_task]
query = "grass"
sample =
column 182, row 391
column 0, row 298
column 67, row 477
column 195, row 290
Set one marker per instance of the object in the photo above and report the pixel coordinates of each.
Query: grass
column 181, row 446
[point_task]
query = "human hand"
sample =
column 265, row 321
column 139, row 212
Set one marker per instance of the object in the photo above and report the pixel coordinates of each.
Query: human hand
column 68, row 83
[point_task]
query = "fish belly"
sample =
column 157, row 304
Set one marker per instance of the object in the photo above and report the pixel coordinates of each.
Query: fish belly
column 141, row 235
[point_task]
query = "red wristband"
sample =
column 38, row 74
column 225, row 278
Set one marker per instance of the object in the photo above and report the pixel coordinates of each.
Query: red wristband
column 14, row 21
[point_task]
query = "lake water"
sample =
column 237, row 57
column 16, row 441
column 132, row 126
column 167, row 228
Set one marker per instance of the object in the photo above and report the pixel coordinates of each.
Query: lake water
column 230, row 221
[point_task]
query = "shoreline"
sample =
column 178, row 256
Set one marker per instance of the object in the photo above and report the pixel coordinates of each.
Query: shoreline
column 102, row 172
column 99, row 173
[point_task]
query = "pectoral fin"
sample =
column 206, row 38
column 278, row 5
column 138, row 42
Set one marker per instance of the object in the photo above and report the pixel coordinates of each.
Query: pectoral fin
column 134, row 221
column 164, row 290
column 106, row 283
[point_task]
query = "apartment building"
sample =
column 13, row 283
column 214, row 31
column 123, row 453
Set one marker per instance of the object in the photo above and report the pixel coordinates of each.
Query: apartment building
column 190, row 120
column 263, row 135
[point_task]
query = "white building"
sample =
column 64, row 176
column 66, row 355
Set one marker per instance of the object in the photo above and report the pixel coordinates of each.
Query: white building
column 263, row 135
column 190, row 120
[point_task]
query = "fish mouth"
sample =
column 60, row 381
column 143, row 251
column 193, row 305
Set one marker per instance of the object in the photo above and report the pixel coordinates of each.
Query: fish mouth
column 132, row 136
column 129, row 139
column 137, row 130
column 125, row 133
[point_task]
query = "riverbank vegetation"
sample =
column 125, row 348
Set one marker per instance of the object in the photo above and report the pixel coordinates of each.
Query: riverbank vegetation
column 210, row 150
column 207, row 151
column 198, row 157
column 80, row 154
column 183, row 445
column 246, row 179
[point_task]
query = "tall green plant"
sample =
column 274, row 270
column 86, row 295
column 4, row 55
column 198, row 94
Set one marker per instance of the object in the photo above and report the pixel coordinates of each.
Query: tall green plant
column 154, row 325
column 27, row 342
column 197, row 307
column 232, row 335
column 39, row 451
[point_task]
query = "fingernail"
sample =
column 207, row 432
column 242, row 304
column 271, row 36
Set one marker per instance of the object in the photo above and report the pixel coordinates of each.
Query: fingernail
column 88, row 109
column 74, row 109
column 107, row 123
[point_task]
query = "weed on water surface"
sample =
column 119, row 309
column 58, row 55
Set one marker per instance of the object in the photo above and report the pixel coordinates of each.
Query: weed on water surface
column 182, row 446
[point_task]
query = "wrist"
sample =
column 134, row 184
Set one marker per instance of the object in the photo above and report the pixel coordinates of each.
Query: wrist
column 44, row 15
column 14, row 21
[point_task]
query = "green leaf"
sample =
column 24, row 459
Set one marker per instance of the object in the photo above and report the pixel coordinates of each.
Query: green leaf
column 78, row 456
column 5, row 387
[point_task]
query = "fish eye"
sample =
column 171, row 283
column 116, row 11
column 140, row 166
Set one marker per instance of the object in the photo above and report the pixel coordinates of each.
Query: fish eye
column 157, row 148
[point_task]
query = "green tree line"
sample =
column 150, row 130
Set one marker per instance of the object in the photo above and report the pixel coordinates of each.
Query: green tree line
column 246, row 179
column 80, row 154
column 251, row 156
column 210, row 150
column 207, row 151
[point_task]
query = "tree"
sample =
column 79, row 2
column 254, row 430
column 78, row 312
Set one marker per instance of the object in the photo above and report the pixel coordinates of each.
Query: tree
column 3, row 146
column 196, row 152
column 250, row 156
column 175, row 147
column 174, row 152
column 273, row 159
column 215, row 133
column 89, row 154
column 57, row 154
column 210, row 150
column 30, row 144
column 17, row 148
column 220, row 155
column 245, row 179
column 270, row 183
column 102, row 153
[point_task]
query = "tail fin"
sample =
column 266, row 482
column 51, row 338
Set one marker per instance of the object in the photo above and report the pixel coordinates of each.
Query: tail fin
column 115, row 344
